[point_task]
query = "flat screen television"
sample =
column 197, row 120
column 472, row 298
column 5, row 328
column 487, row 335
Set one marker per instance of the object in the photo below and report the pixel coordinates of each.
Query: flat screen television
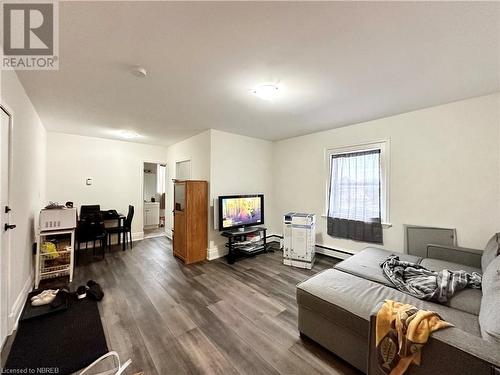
column 238, row 211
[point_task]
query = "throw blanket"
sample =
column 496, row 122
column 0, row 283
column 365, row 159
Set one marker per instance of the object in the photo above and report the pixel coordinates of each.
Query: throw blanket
column 401, row 332
column 422, row 283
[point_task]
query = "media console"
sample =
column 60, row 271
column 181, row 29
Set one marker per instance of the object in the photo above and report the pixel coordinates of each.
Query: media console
column 243, row 242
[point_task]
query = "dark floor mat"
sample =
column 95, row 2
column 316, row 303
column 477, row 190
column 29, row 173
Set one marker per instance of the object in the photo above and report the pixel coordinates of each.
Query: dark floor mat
column 30, row 312
column 63, row 342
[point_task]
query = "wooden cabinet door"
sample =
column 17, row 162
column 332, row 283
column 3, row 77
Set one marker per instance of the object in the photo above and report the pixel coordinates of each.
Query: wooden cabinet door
column 179, row 245
column 190, row 220
column 197, row 210
column 180, row 234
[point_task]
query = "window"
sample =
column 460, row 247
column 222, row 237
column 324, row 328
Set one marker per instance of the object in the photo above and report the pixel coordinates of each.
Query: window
column 357, row 192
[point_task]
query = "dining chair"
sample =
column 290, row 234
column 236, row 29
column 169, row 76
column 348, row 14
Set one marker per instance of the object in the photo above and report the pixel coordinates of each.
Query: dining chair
column 125, row 229
column 91, row 229
column 89, row 210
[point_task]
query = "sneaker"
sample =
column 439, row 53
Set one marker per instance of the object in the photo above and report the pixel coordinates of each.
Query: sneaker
column 61, row 298
column 94, row 291
column 42, row 294
column 81, row 292
column 45, row 298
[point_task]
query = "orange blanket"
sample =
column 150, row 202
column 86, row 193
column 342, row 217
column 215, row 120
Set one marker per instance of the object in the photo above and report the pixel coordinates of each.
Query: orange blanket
column 401, row 332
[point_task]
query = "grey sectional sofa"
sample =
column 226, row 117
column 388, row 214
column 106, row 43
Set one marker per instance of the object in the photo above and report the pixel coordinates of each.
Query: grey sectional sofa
column 337, row 308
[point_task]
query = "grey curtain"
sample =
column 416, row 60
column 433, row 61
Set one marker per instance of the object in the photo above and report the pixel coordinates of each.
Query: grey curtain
column 354, row 207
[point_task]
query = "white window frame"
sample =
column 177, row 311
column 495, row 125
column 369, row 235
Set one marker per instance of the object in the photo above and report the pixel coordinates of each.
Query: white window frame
column 385, row 154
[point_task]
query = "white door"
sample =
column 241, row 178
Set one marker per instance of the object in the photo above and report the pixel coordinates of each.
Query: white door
column 4, row 220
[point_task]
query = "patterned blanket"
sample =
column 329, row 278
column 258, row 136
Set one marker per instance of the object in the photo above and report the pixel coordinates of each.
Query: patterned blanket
column 425, row 284
column 401, row 332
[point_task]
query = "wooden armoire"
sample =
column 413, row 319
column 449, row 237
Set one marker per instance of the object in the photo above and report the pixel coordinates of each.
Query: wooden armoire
column 190, row 232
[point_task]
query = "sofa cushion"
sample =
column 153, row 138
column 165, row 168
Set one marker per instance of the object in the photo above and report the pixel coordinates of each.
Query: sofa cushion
column 489, row 316
column 334, row 294
column 366, row 264
column 439, row 265
column 468, row 300
column 490, row 252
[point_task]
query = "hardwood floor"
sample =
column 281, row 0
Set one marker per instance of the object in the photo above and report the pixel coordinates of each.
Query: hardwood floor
column 206, row 318
column 154, row 232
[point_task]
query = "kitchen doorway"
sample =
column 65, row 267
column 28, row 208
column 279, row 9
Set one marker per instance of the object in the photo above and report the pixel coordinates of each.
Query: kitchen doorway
column 154, row 183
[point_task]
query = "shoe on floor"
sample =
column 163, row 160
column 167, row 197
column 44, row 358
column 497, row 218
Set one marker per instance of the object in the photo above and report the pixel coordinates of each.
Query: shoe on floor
column 45, row 299
column 61, row 298
column 94, row 291
column 43, row 293
column 81, row 292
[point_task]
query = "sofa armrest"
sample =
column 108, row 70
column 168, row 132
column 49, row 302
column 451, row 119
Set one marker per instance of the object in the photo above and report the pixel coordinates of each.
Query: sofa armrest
column 448, row 351
column 462, row 255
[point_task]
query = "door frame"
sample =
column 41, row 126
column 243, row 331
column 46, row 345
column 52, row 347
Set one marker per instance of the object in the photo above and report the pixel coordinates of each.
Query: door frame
column 6, row 253
column 142, row 192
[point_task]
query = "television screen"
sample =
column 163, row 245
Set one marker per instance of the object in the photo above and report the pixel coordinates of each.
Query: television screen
column 240, row 210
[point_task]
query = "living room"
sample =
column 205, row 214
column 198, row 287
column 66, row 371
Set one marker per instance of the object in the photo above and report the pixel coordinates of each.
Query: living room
column 263, row 102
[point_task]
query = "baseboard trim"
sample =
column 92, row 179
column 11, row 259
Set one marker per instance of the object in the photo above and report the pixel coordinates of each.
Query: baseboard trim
column 137, row 236
column 17, row 307
column 215, row 253
column 338, row 254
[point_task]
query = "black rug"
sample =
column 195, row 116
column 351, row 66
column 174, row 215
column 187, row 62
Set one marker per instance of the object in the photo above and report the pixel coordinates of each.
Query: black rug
column 31, row 312
column 61, row 343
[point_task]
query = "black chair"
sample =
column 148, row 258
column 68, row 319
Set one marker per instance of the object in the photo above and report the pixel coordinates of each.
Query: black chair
column 89, row 210
column 91, row 229
column 126, row 229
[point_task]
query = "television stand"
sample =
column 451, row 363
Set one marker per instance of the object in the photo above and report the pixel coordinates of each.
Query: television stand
column 243, row 242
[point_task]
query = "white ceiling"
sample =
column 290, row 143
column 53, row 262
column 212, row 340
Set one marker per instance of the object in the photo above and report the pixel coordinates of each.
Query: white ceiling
column 337, row 63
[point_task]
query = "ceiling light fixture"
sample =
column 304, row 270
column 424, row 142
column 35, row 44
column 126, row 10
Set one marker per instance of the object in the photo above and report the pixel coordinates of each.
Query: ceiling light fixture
column 127, row 134
column 139, row 71
column 266, row 91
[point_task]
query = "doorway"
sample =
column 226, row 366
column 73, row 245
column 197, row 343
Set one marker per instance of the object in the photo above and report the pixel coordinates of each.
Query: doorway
column 5, row 157
column 154, row 183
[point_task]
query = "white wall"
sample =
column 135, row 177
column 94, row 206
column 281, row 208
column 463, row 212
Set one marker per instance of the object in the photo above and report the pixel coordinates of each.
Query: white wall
column 27, row 193
column 232, row 164
column 239, row 165
column 116, row 169
column 196, row 149
column 444, row 171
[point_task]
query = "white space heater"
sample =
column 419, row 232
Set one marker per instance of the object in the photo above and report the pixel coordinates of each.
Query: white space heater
column 299, row 235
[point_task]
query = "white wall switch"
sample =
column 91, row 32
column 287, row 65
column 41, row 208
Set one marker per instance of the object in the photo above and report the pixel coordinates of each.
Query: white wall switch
column 89, row 181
